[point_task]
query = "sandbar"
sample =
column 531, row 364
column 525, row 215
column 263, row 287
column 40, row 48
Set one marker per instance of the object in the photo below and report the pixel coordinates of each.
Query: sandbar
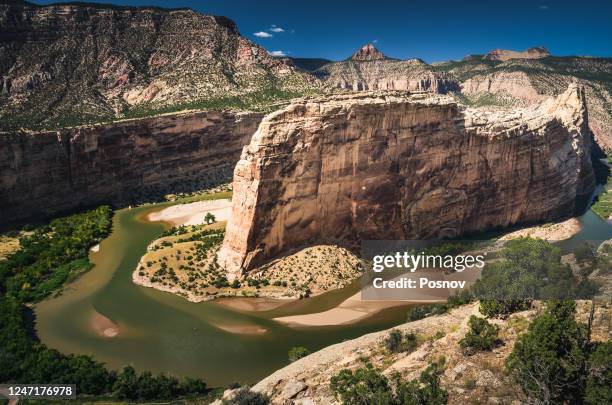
column 551, row 232
column 103, row 326
column 252, row 304
column 241, row 329
column 193, row 213
column 351, row 310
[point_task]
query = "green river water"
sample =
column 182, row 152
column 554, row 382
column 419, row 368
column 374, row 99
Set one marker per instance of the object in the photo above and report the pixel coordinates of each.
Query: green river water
column 163, row 332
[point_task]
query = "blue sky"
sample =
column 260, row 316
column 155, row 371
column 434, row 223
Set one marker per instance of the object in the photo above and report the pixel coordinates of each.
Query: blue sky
column 432, row 30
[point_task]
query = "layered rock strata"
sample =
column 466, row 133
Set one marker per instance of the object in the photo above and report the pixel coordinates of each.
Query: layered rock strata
column 369, row 69
column 42, row 174
column 73, row 63
column 391, row 166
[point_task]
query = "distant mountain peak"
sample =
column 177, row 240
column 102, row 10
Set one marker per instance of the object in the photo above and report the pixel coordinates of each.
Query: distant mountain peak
column 368, row 52
column 531, row 53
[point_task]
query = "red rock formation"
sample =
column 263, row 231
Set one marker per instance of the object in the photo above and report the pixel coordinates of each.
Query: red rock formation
column 391, row 166
column 368, row 52
column 504, row 54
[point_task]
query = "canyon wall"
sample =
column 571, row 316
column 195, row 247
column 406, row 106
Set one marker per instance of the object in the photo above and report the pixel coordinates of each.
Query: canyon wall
column 71, row 64
column 391, row 166
column 45, row 173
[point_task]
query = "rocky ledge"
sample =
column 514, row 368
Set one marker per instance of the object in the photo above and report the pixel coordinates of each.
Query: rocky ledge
column 396, row 166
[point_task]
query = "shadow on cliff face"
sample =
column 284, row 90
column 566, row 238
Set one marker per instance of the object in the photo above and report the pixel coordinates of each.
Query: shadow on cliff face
column 602, row 171
column 132, row 195
column 602, row 176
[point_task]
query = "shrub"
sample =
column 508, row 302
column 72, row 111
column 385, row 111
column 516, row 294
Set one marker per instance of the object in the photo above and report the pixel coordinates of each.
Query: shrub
column 296, row 353
column 368, row 385
column 584, row 252
column 598, row 385
column 422, row 311
column 393, row 342
column 482, row 336
column 396, row 342
column 209, row 218
column 549, row 361
column 502, row 308
column 245, row 396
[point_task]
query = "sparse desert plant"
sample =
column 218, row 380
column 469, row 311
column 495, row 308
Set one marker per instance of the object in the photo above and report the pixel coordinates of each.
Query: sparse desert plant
column 368, row 385
column 296, row 353
column 396, row 342
column 482, row 336
column 245, row 396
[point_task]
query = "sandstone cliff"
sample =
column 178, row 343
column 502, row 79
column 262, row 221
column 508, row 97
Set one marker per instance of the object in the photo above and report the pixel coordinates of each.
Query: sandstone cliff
column 505, row 54
column 519, row 81
column 42, row 174
column 68, row 64
column 391, row 166
column 370, row 69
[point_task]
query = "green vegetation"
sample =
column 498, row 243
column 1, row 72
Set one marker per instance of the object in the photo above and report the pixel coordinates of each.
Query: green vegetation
column 555, row 361
column 454, row 301
column 598, row 387
column 244, row 396
column 584, row 253
column 396, row 342
column 368, row 385
column 209, row 218
column 52, row 254
column 603, row 205
column 129, row 385
column 264, row 100
column 528, row 269
column 485, row 99
column 482, row 336
column 296, row 353
column 48, row 258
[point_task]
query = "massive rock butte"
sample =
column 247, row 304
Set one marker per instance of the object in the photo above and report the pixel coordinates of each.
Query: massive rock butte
column 395, row 166
column 43, row 174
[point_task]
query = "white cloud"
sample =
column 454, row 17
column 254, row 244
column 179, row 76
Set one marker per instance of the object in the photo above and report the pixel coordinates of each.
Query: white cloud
column 374, row 41
column 278, row 53
column 276, row 29
column 543, row 8
column 263, row 34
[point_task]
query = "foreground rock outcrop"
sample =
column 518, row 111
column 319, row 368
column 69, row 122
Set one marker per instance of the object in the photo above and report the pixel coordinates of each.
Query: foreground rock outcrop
column 479, row 378
column 43, row 174
column 391, row 166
